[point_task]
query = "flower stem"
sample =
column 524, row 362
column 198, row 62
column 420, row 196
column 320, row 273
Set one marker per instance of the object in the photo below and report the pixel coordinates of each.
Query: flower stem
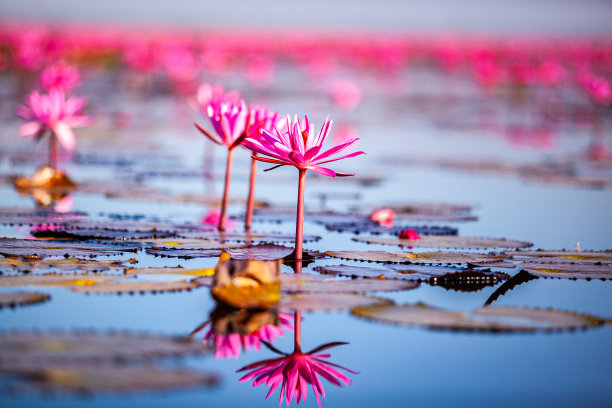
column 297, row 331
column 228, row 177
column 251, row 197
column 53, row 151
column 299, row 221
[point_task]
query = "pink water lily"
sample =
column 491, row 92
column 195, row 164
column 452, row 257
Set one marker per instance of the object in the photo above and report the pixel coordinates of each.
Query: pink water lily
column 60, row 75
column 295, row 372
column 299, row 146
column 228, row 116
column 53, row 112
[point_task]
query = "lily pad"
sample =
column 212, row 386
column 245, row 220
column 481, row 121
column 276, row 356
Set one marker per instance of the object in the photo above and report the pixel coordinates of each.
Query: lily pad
column 43, row 248
column 33, row 216
column 171, row 271
column 246, row 237
column 434, row 258
column 302, row 283
column 53, row 279
column 132, row 287
column 464, row 280
column 36, row 347
column 327, row 301
column 193, row 244
column 569, row 270
column 110, row 234
column 257, row 252
column 13, row 299
column 562, row 256
column 447, row 242
column 101, row 378
column 69, row 264
column 487, row 319
column 372, row 227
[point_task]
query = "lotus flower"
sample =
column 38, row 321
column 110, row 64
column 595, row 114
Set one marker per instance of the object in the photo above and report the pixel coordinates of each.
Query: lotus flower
column 383, row 216
column 228, row 115
column 53, row 112
column 410, row 234
column 60, row 75
column 298, row 146
column 295, row 372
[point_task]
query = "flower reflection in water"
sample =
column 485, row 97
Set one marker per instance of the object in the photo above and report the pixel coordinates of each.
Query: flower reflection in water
column 296, row 371
column 233, row 330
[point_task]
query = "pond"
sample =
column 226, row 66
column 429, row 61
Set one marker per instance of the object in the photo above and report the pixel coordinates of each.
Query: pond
column 468, row 313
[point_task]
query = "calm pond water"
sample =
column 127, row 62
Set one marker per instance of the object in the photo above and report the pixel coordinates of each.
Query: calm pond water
column 425, row 138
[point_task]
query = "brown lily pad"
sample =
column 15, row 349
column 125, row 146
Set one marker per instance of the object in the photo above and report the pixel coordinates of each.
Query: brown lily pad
column 54, row 279
column 571, row 256
column 102, row 378
column 110, row 234
column 46, row 177
column 43, row 248
column 569, row 270
column 81, row 346
column 487, row 319
column 69, row 264
column 327, row 301
column 430, row 241
column 450, row 278
column 171, row 271
column 13, row 299
column 257, row 252
column 303, row 285
column 132, row 287
column 434, row 258
column 255, row 238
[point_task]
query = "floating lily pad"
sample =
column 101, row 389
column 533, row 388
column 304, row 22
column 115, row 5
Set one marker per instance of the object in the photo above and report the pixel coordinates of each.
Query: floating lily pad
column 257, row 252
column 53, row 279
column 327, row 301
column 33, row 216
column 104, row 378
column 434, row 258
column 372, row 227
column 193, row 244
column 430, row 208
column 12, row 299
column 246, row 237
column 111, row 234
column 560, row 256
column 43, row 248
column 346, row 286
column 171, row 271
column 464, row 280
column 486, row 319
column 69, row 264
column 447, row 242
column 569, row 271
column 131, row 287
column 54, row 346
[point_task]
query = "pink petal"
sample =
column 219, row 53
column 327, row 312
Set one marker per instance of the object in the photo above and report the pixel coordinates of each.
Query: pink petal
column 65, row 136
column 30, row 128
column 339, row 158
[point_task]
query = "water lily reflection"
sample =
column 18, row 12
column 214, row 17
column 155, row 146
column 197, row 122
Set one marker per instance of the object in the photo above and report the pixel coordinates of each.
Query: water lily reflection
column 295, row 372
column 233, row 330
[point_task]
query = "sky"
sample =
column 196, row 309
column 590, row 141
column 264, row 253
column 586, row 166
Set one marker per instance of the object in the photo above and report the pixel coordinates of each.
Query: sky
column 576, row 17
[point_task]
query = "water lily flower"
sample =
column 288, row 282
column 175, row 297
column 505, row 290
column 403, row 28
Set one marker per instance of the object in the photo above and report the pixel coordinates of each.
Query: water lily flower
column 228, row 116
column 410, row 234
column 298, row 146
column 296, row 371
column 212, row 218
column 383, row 216
column 53, row 112
column 61, row 75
